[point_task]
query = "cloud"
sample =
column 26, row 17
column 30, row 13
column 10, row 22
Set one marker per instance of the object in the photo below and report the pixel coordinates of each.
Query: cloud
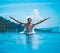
column 36, row 14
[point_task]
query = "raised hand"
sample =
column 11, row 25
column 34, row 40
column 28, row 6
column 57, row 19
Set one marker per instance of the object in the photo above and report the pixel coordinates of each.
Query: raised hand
column 16, row 20
column 10, row 17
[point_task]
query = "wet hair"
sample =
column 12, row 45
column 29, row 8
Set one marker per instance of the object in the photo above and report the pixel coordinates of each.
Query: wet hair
column 29, row 19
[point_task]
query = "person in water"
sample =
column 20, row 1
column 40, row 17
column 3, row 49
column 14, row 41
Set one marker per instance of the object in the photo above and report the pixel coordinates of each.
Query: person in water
column 29, row 25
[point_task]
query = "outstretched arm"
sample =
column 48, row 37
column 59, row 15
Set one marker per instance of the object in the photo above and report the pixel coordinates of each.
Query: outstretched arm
column 41, row 21
column 16, row 20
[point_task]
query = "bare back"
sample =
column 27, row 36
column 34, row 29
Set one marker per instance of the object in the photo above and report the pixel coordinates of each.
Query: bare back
column 29, row 27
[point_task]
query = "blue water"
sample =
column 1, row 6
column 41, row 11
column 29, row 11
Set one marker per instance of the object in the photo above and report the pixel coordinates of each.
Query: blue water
column 37, row 43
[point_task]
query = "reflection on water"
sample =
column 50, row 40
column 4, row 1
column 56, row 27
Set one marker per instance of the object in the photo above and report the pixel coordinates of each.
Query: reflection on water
column 21, row 43
column 33, row 40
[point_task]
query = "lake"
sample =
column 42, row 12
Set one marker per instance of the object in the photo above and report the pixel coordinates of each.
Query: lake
column 36, row 43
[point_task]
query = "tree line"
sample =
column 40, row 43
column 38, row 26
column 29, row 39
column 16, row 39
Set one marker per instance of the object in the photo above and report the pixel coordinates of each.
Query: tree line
column 8, row 26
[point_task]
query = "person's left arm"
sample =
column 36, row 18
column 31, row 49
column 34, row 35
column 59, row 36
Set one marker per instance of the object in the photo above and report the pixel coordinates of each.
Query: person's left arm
column 41, row 21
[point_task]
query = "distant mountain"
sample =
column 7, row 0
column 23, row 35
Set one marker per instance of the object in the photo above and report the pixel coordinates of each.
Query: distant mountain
column 8, row 26
column 50, row 29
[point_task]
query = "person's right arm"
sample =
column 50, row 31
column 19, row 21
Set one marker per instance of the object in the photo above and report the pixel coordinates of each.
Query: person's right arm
column 16, row 20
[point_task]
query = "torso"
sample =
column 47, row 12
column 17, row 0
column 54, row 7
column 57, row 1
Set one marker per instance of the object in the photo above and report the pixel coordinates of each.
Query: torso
column 29, row 27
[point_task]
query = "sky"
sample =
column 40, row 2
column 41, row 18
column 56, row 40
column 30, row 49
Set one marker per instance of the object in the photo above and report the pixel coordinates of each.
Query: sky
column 36, row 9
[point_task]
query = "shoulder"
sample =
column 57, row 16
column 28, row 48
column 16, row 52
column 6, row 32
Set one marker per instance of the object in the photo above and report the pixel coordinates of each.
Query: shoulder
column 25, row 23
column 33, row 24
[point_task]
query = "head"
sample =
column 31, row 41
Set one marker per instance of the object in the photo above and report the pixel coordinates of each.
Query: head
column 29, row 20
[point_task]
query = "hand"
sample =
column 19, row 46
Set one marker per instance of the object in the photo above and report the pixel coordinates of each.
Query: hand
column 10, row 17
column 48, row 17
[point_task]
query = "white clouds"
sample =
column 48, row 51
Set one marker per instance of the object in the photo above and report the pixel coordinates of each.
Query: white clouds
column 36, row 14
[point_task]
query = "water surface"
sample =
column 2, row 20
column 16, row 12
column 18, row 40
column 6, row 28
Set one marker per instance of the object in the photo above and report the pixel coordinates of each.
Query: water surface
column 37, row 43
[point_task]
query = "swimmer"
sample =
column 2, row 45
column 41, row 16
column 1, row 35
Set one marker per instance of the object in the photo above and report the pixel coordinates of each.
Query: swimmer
column 29, row 25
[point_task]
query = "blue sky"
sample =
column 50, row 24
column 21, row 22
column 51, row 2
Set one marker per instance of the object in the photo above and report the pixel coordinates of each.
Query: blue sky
column 36, row 9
